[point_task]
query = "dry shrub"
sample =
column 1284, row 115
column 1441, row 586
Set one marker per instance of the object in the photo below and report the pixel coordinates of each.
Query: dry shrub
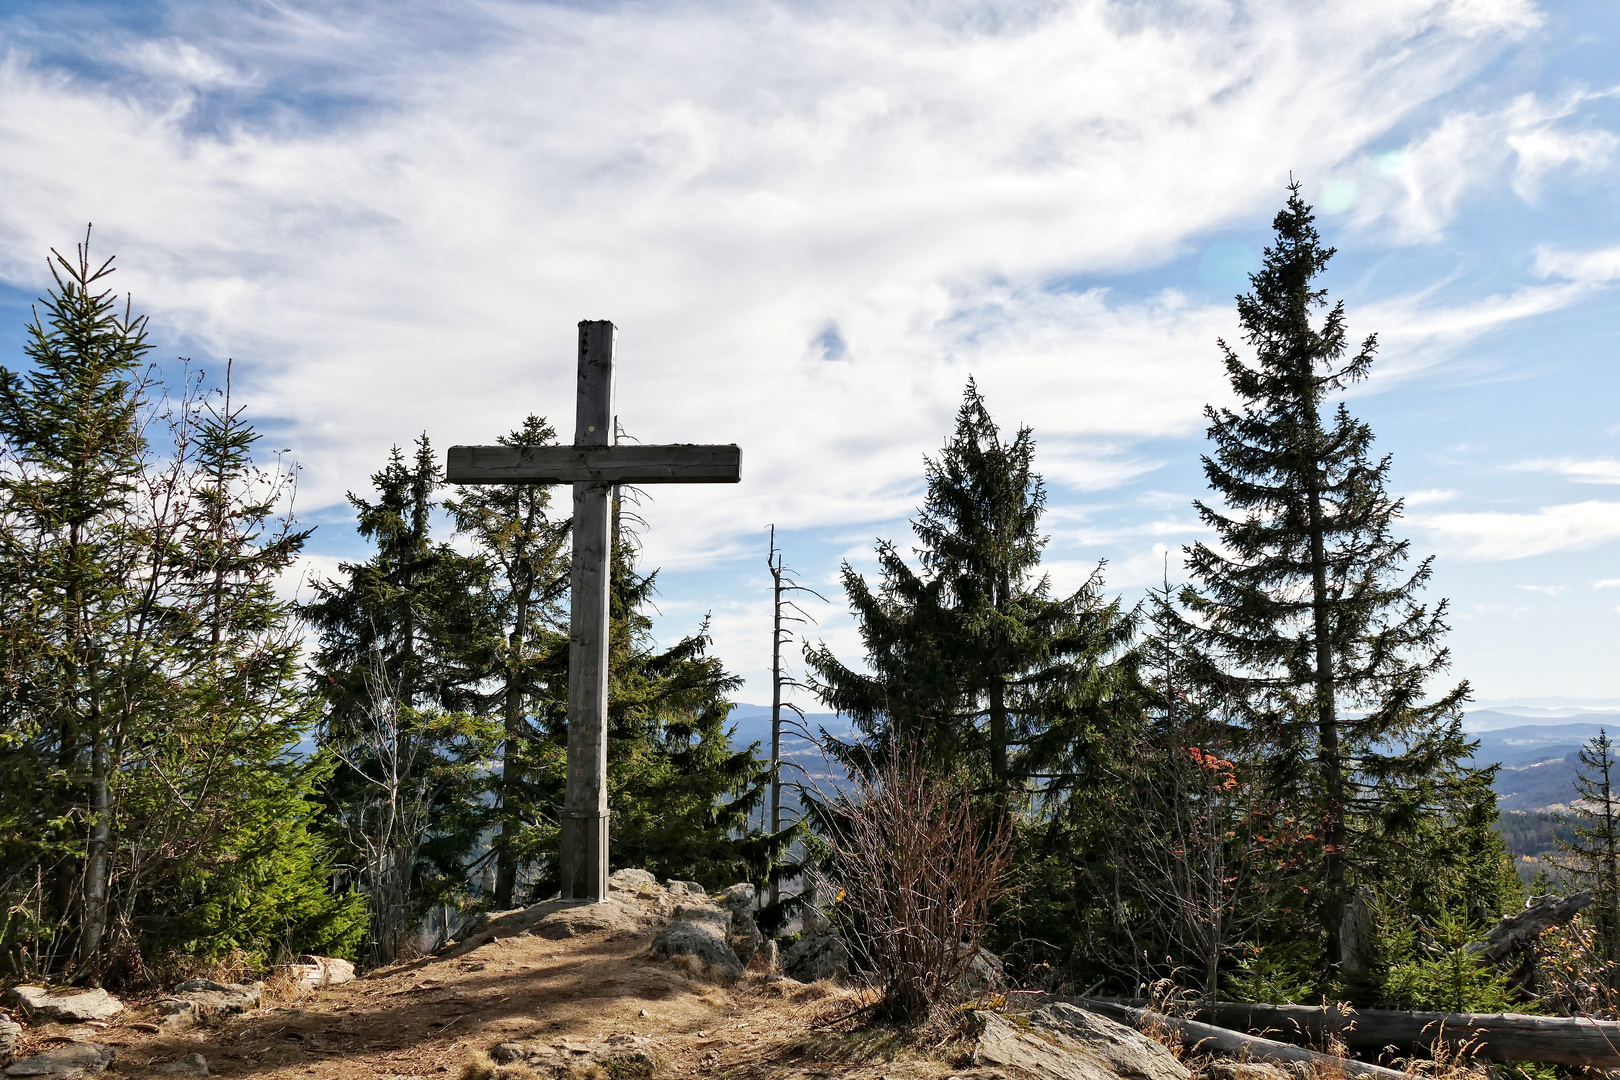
column 286, row 986
column 913, row 872
column 480, row 1066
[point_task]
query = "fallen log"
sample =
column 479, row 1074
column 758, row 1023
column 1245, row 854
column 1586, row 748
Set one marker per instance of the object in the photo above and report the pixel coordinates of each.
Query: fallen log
column 1208, row 1038
column 1555, row 1040
column 1522, row 926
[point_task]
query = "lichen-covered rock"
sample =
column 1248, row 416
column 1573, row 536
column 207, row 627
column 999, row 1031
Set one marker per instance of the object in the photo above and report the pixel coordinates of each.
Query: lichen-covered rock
column 744, row 936
column 65, row 1062
column 622, row 1057
column 199, row 999
column 1126, row 1051
column 1061, row 1042
column 686, row 888
column 633, row 881
column 69, row 1006
column 817, row 955
column 700, row 932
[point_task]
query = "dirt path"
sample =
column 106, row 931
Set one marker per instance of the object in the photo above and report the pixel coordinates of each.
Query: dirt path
column 430, row 1017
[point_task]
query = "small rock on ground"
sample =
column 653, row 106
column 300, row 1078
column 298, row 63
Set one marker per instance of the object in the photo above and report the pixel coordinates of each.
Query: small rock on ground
column 10, row 1032
column 700, row 932
column 816, row 956
column 190, row 1065
column 631, row 881
column 70, row 1006
column 318, row 971
column 65, row 1062
column 621, row 1056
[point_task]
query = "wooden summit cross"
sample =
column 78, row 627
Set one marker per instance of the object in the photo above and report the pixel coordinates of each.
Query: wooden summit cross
column 594, row 465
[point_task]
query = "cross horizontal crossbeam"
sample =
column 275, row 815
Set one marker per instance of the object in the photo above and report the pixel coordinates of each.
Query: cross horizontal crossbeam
column 672, row 463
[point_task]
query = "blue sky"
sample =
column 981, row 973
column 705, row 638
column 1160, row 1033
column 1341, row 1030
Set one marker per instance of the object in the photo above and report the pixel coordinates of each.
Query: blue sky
column 813, row 221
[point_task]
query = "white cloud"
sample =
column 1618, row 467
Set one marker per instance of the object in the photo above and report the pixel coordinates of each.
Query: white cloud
column 1493, row 535
column 1417, row 188
column 727, row 183
column 1607, row 583
column 1549, row 590
column 1428, row 497
column 1590, row 471
column 1583, row 267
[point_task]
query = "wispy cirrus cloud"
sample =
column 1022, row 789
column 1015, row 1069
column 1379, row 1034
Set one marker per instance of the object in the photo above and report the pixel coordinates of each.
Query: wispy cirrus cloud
column 1416, row 190
column 725, row 181
column 1496, row 536
column 1579, row 470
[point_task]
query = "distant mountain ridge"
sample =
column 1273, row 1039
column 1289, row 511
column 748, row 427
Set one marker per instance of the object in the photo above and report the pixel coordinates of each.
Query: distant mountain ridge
column 1537, row 748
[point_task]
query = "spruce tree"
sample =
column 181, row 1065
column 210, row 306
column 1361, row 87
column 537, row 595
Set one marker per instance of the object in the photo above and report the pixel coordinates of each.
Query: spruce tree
column 524, row 547
column 681, row 796
column 74, row 432
column 399, row 667
column 1308, row 599
column 1594, row 843
column 152, row 804
column 972, row 658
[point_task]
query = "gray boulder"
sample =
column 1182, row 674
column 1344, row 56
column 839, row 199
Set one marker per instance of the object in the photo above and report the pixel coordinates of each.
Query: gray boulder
column 985, row 973
column 685, row 888
column 10, row 1032
column 69, row 1006
column 200, row 999
column 700, row 932
column 744, row 936
column 621, row 1057
column 1126, row 1051
column 65, row 1062
column 633, row 881
column 1066, row 1043
column 817, row 955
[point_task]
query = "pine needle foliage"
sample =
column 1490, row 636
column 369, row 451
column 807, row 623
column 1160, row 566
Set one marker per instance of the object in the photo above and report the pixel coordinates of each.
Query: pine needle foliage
column 972, row 657
column 1309, row 599
column 1593, row 847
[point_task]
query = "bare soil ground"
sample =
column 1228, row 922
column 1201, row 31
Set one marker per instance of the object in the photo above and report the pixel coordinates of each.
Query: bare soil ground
column 428, row 1018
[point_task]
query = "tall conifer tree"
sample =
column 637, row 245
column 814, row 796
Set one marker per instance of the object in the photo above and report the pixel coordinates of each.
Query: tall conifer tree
column 524, row 548
column 1594, row 844
column 1308, row 598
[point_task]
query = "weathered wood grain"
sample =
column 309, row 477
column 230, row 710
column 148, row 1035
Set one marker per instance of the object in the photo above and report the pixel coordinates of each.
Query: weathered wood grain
column 672, row 463
column 1555, row 1040
column 1206, row 1038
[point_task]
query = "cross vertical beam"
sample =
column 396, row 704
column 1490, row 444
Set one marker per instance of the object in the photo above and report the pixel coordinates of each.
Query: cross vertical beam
column 584, row 840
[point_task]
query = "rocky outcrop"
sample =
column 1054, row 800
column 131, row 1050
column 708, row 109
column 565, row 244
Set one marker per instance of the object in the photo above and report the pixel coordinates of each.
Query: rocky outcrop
column 1126, row 1051
column 67, row 1006
column 744, row 936
column 700, row 931
column 10, row 1032
column 200, row 999
column 632, row 881
column 817, row 955
column 65, row 1062
column 1051, row 1045
column 622, row 1057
